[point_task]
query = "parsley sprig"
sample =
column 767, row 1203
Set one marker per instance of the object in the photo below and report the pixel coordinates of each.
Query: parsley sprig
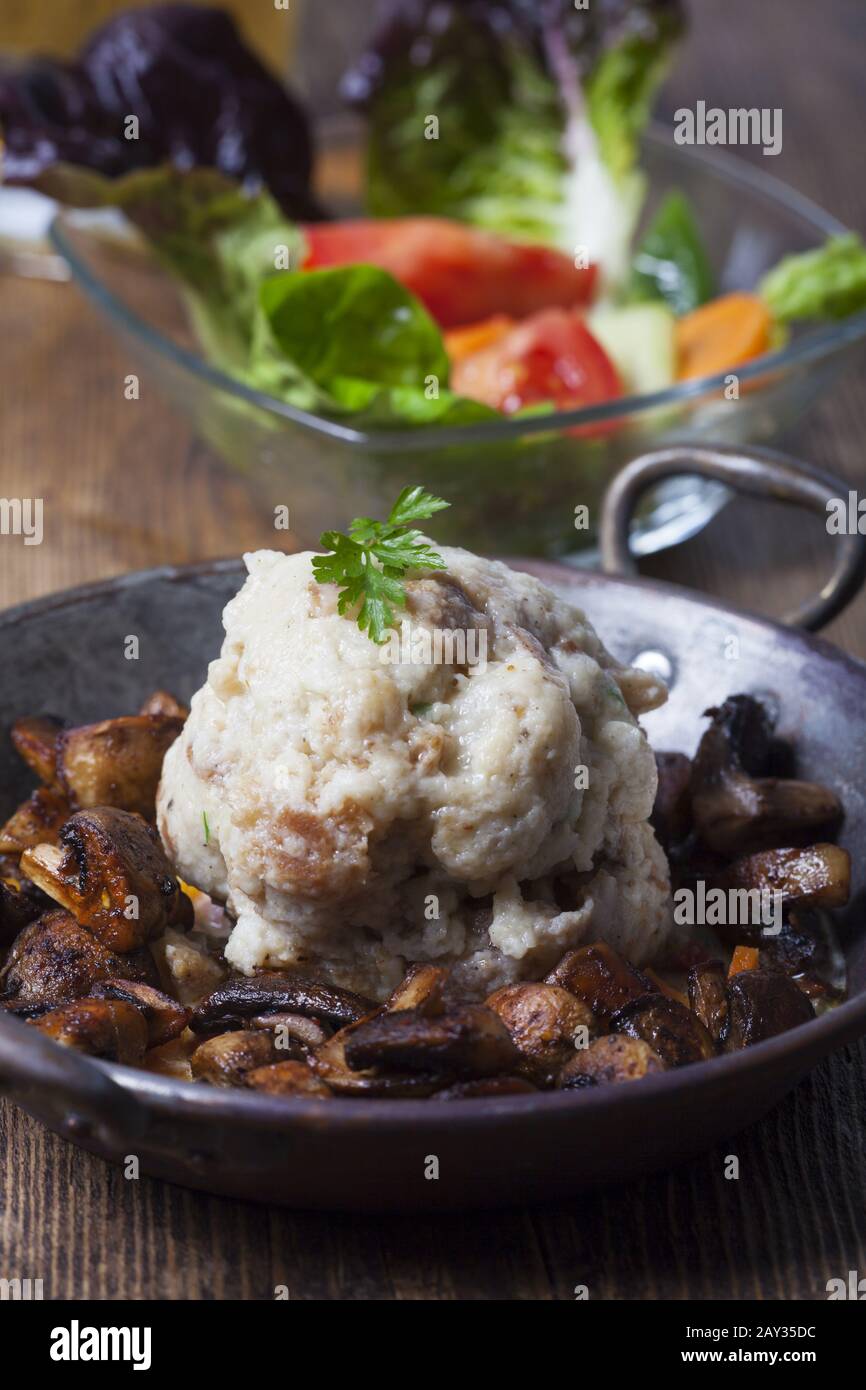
column 370, row 563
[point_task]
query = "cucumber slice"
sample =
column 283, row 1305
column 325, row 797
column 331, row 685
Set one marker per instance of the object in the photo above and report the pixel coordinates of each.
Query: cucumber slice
column 639, row 340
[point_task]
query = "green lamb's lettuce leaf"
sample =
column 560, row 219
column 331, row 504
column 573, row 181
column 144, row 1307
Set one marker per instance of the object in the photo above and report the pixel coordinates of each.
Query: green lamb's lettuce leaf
column 671, row 264
column 516, row 115
column 827, row 283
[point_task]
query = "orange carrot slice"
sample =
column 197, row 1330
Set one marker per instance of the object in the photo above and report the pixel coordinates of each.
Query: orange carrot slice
column 722, row 334
column 744, row 958
column 463, row 342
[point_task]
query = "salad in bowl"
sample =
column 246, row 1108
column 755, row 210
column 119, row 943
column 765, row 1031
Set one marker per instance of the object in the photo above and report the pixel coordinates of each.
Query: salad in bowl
column 532, row 291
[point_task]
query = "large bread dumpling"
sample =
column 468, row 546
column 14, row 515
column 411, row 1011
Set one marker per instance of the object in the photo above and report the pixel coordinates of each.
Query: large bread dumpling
column 476, row 792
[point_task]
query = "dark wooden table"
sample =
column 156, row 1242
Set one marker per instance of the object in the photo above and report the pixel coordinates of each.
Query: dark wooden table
column 124, row 487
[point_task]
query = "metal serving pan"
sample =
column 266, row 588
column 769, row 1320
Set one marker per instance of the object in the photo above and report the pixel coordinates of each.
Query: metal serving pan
column 66, row 653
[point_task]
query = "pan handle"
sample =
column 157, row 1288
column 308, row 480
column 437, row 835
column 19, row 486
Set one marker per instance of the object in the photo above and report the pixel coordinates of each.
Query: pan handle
column 67, row 1091
column 761, row 473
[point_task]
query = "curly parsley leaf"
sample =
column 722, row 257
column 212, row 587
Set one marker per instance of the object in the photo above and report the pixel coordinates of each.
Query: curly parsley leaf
column 370, row 564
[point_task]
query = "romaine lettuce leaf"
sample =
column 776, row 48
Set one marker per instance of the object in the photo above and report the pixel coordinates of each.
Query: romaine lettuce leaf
column 522, row 116
column 619, row 91
column 827, row 283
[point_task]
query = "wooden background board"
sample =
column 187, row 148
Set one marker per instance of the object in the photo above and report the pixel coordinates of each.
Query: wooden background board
column 126, row 487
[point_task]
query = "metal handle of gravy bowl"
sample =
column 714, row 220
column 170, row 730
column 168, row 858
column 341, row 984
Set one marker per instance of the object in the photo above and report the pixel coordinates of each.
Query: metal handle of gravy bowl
column 760, row 473
column 69, row 1092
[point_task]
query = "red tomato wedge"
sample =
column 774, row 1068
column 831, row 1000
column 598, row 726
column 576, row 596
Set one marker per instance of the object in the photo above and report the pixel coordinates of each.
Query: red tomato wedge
column 550, row 357
column 461, row 274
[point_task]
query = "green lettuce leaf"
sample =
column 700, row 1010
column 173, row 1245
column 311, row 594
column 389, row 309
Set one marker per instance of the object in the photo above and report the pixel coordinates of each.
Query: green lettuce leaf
column 496, row 161
column 351, row 341
column 220, row 244
column 827, row 283
column 353, row 321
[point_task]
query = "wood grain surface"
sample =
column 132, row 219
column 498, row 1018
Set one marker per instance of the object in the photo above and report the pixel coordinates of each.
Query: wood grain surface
column 126, row 487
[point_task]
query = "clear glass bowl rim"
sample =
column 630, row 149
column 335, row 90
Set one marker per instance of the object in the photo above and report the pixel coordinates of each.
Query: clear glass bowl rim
column 727, row 168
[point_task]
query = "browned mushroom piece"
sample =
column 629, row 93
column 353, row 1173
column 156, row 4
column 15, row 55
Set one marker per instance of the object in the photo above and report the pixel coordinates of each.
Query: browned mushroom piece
column 164, row 1017
column 470, row 1040
column 819, row 875
column 9, row 868
column 116, row 762
column 422, row 988
column 674, row 1033
column 708, row 997
column 21, row 902
column 54, row 959
column 672, row 813
column 293, row 1030
column 109, row 1028
column 487, row 1086
column 111, row 872
column 545, row 1023
column 762, row 1004
column 600, row 977
column 742, row 732
column 329, row 1063
column 757, row 884
column 227, row 1059
column 288, row 1079
column 798, row 946
column 25, row 1008
column 172, row 1058
column 37, row 821
column 34, row 738
column 614, row 1057
column 736, row 808
column 162, row 702
column 244, row 997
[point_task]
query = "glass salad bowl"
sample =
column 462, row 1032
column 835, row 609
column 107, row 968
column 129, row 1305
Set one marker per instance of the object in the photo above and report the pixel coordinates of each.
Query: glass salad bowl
column 515, row 486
